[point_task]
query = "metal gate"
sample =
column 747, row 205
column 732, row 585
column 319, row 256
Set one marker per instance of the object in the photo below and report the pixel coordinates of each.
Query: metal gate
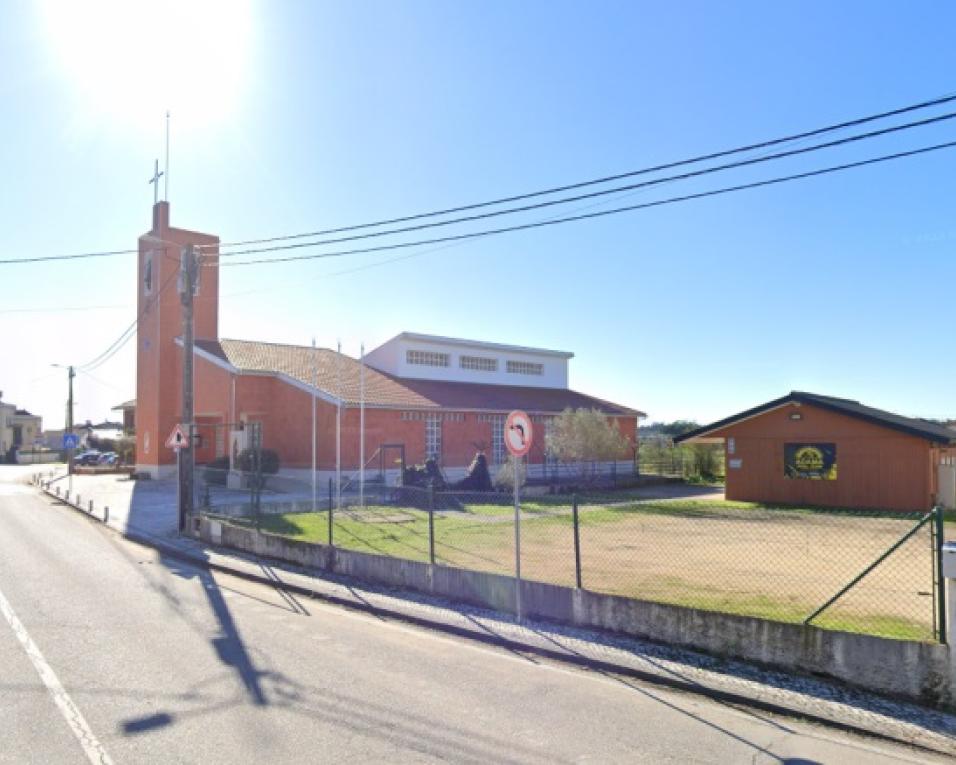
column 931, row 524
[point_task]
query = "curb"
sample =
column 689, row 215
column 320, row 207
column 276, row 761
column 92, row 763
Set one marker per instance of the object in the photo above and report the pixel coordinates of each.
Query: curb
column 595, row 665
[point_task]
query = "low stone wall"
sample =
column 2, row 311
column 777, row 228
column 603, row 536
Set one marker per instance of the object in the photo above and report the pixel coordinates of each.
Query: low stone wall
column 28, row 457
column 103, row 470
column 908, row 669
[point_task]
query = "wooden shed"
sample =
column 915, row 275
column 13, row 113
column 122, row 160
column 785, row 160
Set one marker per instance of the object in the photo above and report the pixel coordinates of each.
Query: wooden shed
column 813, row 450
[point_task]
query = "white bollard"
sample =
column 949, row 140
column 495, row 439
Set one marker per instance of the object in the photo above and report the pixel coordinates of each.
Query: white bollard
column 949, row 581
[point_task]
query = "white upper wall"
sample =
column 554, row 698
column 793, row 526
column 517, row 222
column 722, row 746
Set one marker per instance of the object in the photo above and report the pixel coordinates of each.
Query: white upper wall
column 430, row 357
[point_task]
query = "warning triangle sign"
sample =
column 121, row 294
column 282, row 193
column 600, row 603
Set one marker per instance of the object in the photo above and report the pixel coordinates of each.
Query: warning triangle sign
column 177, row 439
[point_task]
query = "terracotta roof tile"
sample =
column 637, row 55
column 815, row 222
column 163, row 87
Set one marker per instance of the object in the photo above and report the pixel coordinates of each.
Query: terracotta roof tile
column 338, row 375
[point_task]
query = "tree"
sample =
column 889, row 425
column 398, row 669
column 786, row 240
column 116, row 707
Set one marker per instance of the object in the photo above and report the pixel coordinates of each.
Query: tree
column 505, row 477
column 586, row 436
column 675, row 428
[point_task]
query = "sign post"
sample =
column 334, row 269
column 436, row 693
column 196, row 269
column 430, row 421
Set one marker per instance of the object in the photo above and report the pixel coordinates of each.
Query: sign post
column 518, row 437
column 70, row 442
column 177, row 441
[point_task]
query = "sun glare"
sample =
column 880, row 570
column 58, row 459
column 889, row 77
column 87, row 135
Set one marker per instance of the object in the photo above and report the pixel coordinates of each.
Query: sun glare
column 129, row 59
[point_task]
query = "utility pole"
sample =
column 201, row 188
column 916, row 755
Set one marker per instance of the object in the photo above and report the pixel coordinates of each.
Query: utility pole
column 187, row 282
column 70, row 374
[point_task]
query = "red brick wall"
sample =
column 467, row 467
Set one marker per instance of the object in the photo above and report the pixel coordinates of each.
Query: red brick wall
column 285, row 412
column 158, row 358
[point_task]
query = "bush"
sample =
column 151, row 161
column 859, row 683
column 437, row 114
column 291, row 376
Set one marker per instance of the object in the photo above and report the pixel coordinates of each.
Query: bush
column 216, row 472
column 126, row 450
column 504, row 478
column 706, row 461
column 268, row 461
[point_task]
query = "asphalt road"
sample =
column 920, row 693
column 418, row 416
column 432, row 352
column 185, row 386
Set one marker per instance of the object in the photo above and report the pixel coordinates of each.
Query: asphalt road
column 109, row 653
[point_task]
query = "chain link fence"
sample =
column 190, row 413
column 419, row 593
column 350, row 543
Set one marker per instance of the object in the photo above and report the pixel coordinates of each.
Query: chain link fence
column 776, row 563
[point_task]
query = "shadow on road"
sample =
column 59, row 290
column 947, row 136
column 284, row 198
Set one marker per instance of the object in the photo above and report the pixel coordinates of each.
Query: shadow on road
column 228, row 645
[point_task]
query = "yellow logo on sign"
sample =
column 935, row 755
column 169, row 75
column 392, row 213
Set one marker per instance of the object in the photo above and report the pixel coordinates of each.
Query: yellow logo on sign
column 808, row 459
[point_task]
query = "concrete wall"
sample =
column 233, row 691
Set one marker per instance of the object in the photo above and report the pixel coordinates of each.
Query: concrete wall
column 908, row 669
column 33, row 458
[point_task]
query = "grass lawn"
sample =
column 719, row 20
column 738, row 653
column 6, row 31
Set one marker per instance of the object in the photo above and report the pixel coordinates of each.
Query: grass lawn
column 735, row 557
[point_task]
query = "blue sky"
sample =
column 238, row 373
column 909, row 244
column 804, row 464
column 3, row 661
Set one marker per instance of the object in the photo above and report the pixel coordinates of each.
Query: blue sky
column 293, row 117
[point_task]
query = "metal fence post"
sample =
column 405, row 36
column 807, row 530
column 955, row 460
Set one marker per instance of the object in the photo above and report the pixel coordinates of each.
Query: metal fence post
column 431, row 523
column 577, row 541
column 330, row 512
column 941, row 586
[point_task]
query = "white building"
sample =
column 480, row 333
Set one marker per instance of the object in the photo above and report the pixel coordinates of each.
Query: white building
column 414, row 356
column 17, row 428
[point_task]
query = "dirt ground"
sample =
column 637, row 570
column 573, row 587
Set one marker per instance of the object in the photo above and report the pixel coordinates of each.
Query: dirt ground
column 773, row 563
column 770, row 563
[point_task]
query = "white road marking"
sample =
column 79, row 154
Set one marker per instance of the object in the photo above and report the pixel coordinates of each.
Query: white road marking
column 94, row 750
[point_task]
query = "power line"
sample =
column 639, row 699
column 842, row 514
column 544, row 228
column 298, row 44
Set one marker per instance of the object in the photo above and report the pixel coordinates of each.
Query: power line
column 127, row 333
column 607, row 179
column 587, row 216
column 76, row 256
column 98, row 381
column 618, row 189
column 519, row 197
column 61, row 309
column 427, row 251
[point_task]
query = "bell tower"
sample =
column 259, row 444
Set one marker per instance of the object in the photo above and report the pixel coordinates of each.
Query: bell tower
column 160, row 327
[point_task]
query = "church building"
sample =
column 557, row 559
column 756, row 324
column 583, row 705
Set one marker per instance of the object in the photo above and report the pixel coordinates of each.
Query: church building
column 425, row 395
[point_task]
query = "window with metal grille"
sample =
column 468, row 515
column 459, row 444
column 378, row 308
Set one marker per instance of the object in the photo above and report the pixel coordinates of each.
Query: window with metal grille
column 525, row 368
column 427, row 358
column 433, row 436
column 497, row 438
column 478, row 363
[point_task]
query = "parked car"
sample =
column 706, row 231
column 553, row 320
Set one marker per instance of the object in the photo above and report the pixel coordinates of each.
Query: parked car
column 90, row 457
column 108, row 458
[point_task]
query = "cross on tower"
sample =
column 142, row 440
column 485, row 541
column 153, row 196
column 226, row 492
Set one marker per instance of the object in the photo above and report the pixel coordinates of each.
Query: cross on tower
column 155, row 181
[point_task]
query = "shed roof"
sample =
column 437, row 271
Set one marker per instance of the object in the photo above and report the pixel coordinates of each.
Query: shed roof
column 914, row 426
column 338, row 375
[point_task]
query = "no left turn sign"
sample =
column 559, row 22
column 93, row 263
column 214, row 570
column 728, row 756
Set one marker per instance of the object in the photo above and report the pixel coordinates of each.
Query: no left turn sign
column 518, row 433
